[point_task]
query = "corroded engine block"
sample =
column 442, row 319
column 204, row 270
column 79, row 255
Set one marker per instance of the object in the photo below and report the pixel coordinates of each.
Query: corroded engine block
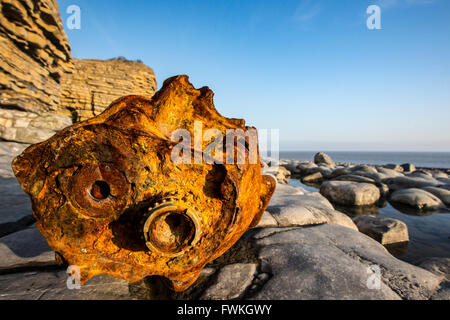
column 109, row 199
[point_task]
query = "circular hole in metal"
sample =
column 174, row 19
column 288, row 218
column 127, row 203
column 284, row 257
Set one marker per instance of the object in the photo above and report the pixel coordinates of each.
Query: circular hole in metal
column 171, row 231
column 100, row 190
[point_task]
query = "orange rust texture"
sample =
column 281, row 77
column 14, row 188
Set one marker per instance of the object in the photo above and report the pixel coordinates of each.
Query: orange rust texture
column 94, row 184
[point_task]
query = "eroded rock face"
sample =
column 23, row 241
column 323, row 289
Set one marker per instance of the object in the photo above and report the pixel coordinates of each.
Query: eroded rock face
column 108, row 197
column 42, row 86
column 93, row 84
column 34, row 55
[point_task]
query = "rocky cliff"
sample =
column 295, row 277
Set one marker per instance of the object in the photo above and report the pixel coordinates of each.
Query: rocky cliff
column 94, row 84
column 34, row 54
column 42, row 89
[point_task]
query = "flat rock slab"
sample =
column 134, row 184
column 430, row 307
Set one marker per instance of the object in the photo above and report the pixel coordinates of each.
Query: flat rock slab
column 318, row 176
column 320, row 262
column 232, row 282
column 289, row 207
column 283, row 191
column 267, row 221
column 417, row 198
column 26, row 248
column 53, row 286
column 8, row 150
column 334, row 262
column 441, row 193
column 15, row 204
column 406, row 182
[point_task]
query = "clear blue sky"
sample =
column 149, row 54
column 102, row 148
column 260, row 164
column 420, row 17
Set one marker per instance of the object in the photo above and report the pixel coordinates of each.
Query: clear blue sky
column 310, row 68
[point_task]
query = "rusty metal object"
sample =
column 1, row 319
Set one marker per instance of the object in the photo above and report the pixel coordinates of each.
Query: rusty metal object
column 108, row 198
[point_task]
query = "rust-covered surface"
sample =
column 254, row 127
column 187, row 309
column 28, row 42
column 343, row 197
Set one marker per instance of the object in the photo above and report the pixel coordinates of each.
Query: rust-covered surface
column 109, row 199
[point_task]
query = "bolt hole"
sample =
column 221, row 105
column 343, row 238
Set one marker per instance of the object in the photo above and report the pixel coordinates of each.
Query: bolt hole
column 100, row 190
column 171, row 232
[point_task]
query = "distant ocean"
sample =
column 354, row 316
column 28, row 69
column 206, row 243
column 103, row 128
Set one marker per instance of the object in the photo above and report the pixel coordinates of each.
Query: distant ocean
column 419, row 159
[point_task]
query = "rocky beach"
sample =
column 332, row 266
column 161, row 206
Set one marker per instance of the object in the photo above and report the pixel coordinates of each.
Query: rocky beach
column 303, row 248
column 323, row 235
column 387, row 197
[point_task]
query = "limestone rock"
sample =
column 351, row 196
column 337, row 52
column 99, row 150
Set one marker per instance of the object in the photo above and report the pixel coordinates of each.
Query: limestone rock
column 95, row 84
column 417, row 198
column 320, row 262
column 27, row 135
column 25, row 248
column 437, row 174
column 52, row 285
column 51, row 121
column 325, row 170
column 283, row 191
column 267, row 221
column 437, row 265
column 354, row 178
column 420, row 173
column 378, row 174
column 318, row 176
column 333, row 262
column 350, row 193
column 34, row 55
column 408, row 167
column 406, row 182
column 384, row 230
column 232, row 282
column 34, row 128
column 9, row 150
column 15, row 203
column 26, row 127
column 280, row 173
column 306, row 168
column 42, row 89
column 442, row 194
column 388, row 173
column 394, row 167
column 323, row 158
column 292, row 165
column 305, row 209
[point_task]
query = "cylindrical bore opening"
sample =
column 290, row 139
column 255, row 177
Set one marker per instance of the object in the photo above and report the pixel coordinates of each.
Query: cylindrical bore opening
column 171, row 231
column 100, row 190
